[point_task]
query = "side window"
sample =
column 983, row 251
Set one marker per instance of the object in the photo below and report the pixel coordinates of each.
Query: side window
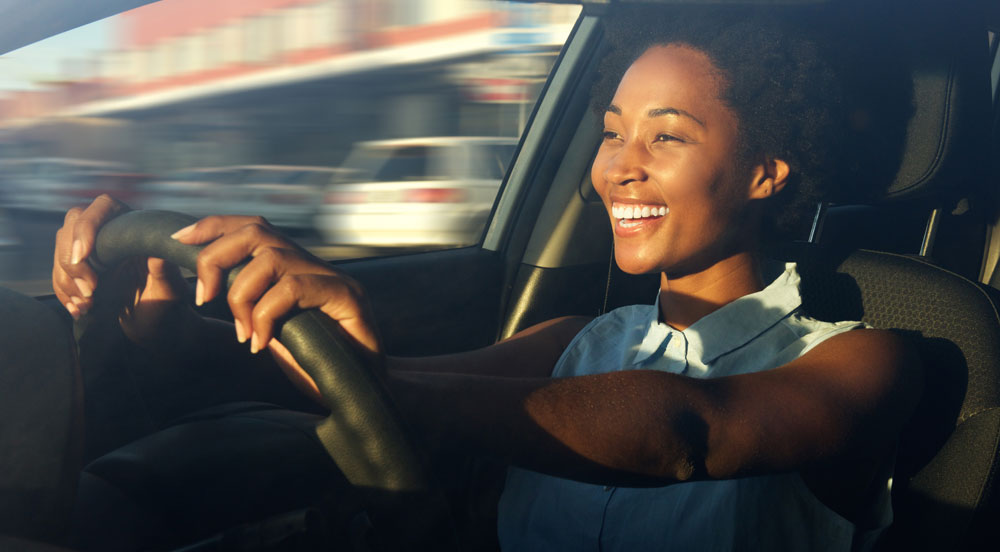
column 403, row 164
column 334, row 120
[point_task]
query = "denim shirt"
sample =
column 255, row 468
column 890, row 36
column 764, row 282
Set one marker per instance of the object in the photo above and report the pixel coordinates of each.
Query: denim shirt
column 757, row 332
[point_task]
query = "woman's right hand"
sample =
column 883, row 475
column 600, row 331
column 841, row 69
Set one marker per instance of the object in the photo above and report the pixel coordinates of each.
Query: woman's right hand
column 140, row 295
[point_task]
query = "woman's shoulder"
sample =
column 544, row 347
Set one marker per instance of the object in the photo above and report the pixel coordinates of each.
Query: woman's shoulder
column 813, row 331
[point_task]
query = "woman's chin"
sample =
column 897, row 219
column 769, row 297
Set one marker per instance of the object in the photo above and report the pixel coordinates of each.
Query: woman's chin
column 634, row 261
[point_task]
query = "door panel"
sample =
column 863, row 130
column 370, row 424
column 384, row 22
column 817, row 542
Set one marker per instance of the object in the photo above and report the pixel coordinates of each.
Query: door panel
column 432, row 303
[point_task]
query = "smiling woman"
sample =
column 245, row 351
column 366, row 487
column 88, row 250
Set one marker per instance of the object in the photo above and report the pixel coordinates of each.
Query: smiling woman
column 665, row 423
column 724, row 395
column 665, row 396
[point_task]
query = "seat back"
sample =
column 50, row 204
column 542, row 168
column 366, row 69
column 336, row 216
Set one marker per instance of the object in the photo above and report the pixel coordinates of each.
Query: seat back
column 41, row 428
column 944, row 489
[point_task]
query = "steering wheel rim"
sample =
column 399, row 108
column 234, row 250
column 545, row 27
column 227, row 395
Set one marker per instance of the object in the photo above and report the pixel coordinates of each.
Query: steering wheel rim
column 363, row 433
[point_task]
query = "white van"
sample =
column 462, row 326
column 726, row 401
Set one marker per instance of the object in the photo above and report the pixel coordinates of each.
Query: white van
column 413, row 192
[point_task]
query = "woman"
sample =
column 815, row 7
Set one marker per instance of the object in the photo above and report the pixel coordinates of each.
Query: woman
column 719, row 418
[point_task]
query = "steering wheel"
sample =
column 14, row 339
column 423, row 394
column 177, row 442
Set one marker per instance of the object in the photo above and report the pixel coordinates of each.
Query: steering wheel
column 364, row 433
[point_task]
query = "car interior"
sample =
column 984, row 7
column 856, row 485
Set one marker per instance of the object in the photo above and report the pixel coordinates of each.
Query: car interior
column 918, row 258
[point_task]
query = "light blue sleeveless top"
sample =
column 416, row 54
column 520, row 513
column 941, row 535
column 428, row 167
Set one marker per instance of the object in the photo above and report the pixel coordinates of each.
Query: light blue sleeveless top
column 757, row 332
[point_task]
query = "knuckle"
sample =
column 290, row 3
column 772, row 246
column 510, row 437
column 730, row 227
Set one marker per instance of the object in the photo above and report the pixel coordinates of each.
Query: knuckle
column 71, row 215
column 261, row 320
column 204, row 263
column 270, row 254
column 236, row 296
column 211, row 221
column 257, row 230
column 292, row 284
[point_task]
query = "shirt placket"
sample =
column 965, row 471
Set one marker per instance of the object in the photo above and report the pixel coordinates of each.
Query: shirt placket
column 676, row 352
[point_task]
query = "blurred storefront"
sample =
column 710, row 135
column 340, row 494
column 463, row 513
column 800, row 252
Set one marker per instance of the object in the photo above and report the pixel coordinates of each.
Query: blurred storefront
column 291, row 81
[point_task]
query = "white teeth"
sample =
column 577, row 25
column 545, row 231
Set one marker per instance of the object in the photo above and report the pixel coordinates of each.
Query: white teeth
column 628, row 212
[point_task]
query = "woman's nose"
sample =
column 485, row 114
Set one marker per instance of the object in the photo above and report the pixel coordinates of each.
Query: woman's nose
column 626, row 165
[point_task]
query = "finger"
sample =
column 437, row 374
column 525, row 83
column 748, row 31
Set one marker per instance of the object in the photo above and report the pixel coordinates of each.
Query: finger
column 86, row 225
column 290, row 293
column 63, row 254
column 65, row 288
column 213, row 227
column 75, row 242
column 228, row 251
column 77, row 280
column 249, row 285
column 63, row 285
column 332, row 293
column 66, row 292
column 164, row 281
column 300, row 378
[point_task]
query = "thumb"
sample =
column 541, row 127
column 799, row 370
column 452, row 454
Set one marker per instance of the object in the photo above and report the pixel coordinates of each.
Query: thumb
column 163, row 281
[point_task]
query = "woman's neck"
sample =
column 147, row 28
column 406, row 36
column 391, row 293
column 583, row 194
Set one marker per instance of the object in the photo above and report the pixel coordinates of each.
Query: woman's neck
column 686, row 299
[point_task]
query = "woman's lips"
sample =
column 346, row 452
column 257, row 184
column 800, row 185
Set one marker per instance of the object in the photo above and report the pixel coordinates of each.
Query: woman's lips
column 636, row 217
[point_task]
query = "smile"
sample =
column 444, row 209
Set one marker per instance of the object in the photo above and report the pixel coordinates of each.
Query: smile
column 625, row 211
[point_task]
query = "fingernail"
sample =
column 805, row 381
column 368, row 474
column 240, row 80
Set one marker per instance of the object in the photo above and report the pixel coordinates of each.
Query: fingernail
column 76, row 300
column 241, row 333
column 73, row 311
column 254, row 347
column 183, row 232
column 84, row 287
column 77, row 252
column 199, row 293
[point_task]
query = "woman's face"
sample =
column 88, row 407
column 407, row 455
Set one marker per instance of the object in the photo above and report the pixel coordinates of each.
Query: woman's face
column 667, row 166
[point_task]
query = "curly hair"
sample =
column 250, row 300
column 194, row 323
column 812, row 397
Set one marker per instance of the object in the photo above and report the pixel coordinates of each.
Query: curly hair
column 785, row 94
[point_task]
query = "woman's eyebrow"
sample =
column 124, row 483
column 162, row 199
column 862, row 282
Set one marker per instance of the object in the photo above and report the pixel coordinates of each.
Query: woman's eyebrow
column 659, row 112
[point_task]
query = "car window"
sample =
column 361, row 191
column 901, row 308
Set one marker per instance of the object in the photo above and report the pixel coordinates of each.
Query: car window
column 418, row 104
column 401, row 164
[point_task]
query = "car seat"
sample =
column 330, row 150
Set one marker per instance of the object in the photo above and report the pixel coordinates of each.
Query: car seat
column 41, row 434
column 944, row 489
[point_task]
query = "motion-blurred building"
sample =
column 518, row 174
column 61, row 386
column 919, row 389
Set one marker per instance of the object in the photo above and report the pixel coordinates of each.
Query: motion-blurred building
column 192, row 83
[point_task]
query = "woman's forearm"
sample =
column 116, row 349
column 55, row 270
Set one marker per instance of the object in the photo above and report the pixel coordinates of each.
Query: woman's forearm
column 609, row 429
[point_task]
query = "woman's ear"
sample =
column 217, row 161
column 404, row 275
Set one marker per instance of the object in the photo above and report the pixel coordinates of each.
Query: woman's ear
column 769, row 178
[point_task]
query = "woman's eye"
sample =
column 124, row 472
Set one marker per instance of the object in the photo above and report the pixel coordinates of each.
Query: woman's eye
column 609, row 135
column 667, row 138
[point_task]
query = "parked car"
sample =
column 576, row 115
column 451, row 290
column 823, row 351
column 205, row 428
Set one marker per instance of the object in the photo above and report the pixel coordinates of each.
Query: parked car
column 415, row 192
column 192, row 191
column 286, row 195
column 53, row 185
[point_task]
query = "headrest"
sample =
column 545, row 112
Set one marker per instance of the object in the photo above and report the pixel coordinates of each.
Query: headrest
column 945, row 149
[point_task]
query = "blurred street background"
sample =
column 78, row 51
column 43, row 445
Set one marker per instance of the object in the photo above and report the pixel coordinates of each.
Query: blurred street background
column 360, row 127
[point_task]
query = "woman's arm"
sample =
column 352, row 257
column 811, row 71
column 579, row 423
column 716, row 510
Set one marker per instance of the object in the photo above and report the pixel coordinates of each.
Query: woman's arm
column 530, row 353
column 648, row 428
column 634, row 427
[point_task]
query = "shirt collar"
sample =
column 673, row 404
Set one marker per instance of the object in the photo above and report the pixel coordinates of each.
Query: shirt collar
column 731, row 326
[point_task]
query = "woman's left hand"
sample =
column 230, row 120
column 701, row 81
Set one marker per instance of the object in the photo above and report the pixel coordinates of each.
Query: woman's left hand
column 280, row 277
